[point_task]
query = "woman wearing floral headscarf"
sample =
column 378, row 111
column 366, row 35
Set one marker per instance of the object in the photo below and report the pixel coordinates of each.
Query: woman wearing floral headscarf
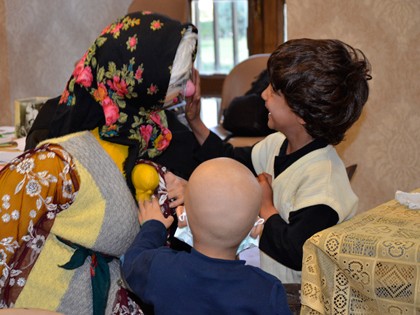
column 67, row 210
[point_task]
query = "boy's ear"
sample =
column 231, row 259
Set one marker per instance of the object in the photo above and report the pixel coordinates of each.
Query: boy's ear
column 179, row 214
column 301, row 121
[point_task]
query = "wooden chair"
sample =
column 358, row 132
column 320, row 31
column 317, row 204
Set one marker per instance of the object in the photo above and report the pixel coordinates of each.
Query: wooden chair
column 175, row 9
column 236, row 83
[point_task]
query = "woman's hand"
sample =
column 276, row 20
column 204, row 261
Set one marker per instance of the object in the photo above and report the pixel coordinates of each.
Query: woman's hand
column 176, row 187
column 192, row 111
column 150, row 210
column 267, row 205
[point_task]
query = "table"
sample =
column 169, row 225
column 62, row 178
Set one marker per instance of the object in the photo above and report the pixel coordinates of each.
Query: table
column 8, row 153
column 369, row 264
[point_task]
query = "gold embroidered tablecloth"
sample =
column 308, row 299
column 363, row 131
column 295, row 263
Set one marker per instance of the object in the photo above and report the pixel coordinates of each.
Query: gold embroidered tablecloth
column 367, row 265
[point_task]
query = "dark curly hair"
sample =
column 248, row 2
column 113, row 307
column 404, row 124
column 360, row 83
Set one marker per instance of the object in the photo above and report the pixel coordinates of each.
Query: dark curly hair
column 324, row 82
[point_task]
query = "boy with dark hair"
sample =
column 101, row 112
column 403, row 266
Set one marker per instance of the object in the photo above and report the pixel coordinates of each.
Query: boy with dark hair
column 317, row 91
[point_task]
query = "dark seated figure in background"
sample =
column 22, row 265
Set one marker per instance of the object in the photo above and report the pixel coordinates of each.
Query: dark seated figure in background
column 41, row 126
column 246, row 115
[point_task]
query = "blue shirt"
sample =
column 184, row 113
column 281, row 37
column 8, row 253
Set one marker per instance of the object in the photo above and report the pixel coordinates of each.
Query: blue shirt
column 191, row 283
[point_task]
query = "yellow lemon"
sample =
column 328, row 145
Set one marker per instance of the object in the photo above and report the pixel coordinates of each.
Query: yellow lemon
column 145, row 179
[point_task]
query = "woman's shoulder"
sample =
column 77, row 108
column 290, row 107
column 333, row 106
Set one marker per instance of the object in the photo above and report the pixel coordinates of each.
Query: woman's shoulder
column 46, row 163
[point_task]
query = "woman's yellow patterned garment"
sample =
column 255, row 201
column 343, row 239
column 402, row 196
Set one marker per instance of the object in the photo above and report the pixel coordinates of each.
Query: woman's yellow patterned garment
column 76, row 200
column 35, row 188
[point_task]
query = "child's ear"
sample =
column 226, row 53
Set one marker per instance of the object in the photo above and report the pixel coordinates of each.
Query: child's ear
column 301, row 121
column 182, row 218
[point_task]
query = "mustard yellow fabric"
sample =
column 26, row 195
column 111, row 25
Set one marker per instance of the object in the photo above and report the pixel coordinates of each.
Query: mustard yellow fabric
column 118, row 152
column 32, row 185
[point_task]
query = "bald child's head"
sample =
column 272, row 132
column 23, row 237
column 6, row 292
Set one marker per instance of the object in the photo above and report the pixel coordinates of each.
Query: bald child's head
column 222, row 201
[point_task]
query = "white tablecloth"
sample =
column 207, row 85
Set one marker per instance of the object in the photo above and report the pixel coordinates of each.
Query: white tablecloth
column 367, row 265
column 8, row 153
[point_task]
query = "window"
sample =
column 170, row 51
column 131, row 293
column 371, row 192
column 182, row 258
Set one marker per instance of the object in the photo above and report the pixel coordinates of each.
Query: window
column 231, row 30
column 222, row 26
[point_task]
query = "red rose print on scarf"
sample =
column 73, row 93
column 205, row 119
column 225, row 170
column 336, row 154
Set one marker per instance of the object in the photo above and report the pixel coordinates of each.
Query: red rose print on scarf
column 85, row 77
column 146, row 132
column 80, row 65
column 156, row 118
column 118, row 85
column 139, row 73
column 153, row 89
column 111, row 111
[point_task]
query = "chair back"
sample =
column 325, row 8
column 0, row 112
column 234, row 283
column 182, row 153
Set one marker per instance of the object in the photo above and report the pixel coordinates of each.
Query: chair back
column 240, row 78
column 175, row 9
column 350, row 170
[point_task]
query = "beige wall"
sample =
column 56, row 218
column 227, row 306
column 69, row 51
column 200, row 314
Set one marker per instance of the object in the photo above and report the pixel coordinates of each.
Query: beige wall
column 385, row 143
column 40, row 40
column 5, row 112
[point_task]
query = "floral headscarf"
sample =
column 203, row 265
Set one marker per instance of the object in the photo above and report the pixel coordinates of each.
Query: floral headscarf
column 121, row 82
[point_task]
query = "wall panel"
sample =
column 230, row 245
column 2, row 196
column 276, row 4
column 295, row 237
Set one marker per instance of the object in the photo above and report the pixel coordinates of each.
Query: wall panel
column 385, row 143
column 40, row 40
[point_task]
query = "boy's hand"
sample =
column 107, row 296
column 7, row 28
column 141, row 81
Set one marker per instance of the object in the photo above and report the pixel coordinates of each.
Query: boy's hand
column 267, row 205
column 176, row 188
column 150, row 210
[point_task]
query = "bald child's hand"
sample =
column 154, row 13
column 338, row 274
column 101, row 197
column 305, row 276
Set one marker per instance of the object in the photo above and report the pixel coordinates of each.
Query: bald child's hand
column 150, row 210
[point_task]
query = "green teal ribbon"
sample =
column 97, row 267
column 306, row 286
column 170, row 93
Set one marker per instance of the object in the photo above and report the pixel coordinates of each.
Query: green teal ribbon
column 99, row 273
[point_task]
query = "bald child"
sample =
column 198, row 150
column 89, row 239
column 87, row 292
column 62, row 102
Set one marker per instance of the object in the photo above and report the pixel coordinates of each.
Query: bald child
column 222, row 201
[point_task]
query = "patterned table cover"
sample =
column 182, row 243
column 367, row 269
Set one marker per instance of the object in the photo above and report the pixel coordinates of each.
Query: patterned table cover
column 367, row 265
